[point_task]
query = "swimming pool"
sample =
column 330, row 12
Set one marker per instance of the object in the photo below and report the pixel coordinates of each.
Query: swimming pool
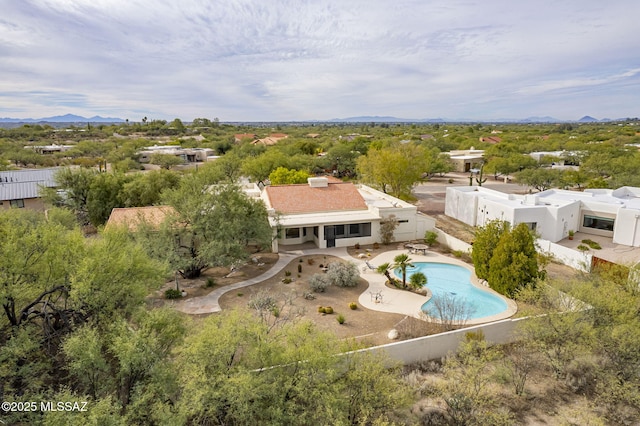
column 453, row 282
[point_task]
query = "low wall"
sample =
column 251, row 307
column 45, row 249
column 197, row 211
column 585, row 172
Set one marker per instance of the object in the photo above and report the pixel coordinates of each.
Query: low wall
column 570, row 257
column 440, row 345
column 452, row 242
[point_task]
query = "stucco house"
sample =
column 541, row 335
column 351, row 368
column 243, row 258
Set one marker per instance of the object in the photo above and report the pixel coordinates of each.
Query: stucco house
column 21, row 188
column 553, row 213
column 337, row 214
column 466, row 159
column 188, row 155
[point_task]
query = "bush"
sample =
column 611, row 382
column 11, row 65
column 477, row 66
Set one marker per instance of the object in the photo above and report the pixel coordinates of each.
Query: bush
column 310, row 261
column 430, row 237
column 418, row 280
column 353, row 306
column 582, row 247
column 343, row 274
column 309, row 296
column 172, row 293
column 210, row 282
column 321, row 309
column 340, row 319
column 328, row 310
column 319, row 283
column 299, row 268
column 262, row 301
column 287, row 273
column 286, row 280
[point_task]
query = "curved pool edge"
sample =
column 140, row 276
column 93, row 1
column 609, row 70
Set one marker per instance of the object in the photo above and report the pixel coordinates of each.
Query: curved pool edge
column 409, row 303
column 512, row 307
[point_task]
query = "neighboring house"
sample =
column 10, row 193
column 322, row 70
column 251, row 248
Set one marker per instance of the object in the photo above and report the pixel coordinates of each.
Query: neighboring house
column 466, row 159
column 553, row 213
column 272, row 139
column 188, row 155
column 49, row 149
column 239, row 137
column 132, row 217
column 490, row 139
column 21, row 188
column 337, row 214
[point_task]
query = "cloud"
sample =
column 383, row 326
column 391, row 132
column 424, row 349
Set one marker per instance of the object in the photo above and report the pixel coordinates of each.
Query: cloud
column 297, row 59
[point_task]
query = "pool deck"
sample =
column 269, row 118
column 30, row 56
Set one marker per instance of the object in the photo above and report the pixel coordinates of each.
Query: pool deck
column 392, row 300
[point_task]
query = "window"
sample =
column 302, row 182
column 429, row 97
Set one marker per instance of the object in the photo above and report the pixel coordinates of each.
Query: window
column 596, row 222
column 17, row 203
column 351, row 230
column 531, row 225
column 292, row 233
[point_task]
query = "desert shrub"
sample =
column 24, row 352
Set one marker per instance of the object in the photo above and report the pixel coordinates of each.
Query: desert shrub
column 321, row 309
column 286, row 280
column 210, row 282
column 262, row 301
column 357, row 246
column 343, row 274
column 172, row 293
column 328, row 310
column 299, row 268
column 319, row 283
column 309, row 296
column 353, row 306
column 310, row 261
column 430, row 237
column 341, row 319
column 287, row 273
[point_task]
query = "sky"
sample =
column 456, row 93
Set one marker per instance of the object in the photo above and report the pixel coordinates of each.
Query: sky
column 296, row 60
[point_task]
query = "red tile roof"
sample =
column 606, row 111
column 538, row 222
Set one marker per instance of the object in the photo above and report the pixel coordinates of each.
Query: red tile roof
column 292, row 199
column 133, row 216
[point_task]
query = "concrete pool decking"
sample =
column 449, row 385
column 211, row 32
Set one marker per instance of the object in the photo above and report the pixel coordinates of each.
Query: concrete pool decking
column 392, row 300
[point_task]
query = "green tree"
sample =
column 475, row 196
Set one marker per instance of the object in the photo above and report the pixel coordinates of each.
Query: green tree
column 402, row 261
column 485, row 241
column 105, row 194
column 237, row 370
column 541, row 178
column 213, row 226
column 259, row 168
column 145, row 189
column 393, row 170
column 284, row 176
column 514, row 263
column 165, row 161
column 73, row 186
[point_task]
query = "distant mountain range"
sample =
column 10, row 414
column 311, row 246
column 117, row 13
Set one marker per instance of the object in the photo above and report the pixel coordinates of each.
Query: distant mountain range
column 71, row 118
column 387, row 119
column 67, row 118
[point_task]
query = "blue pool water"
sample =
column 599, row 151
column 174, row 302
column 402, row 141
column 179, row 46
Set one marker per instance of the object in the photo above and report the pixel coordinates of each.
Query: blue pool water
column 453, row 281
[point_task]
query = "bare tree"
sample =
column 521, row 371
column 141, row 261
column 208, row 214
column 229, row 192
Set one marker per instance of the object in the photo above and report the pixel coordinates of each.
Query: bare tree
column 449, row 311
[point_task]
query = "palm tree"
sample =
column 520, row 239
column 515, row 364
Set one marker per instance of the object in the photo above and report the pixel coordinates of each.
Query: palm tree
column 402, row 261
column 384, row 269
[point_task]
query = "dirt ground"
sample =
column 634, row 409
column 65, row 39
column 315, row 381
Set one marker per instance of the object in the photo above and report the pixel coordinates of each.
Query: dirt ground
column 369, row 327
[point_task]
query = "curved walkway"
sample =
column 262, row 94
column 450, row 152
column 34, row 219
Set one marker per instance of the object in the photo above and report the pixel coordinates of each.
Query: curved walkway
column 392, row 300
